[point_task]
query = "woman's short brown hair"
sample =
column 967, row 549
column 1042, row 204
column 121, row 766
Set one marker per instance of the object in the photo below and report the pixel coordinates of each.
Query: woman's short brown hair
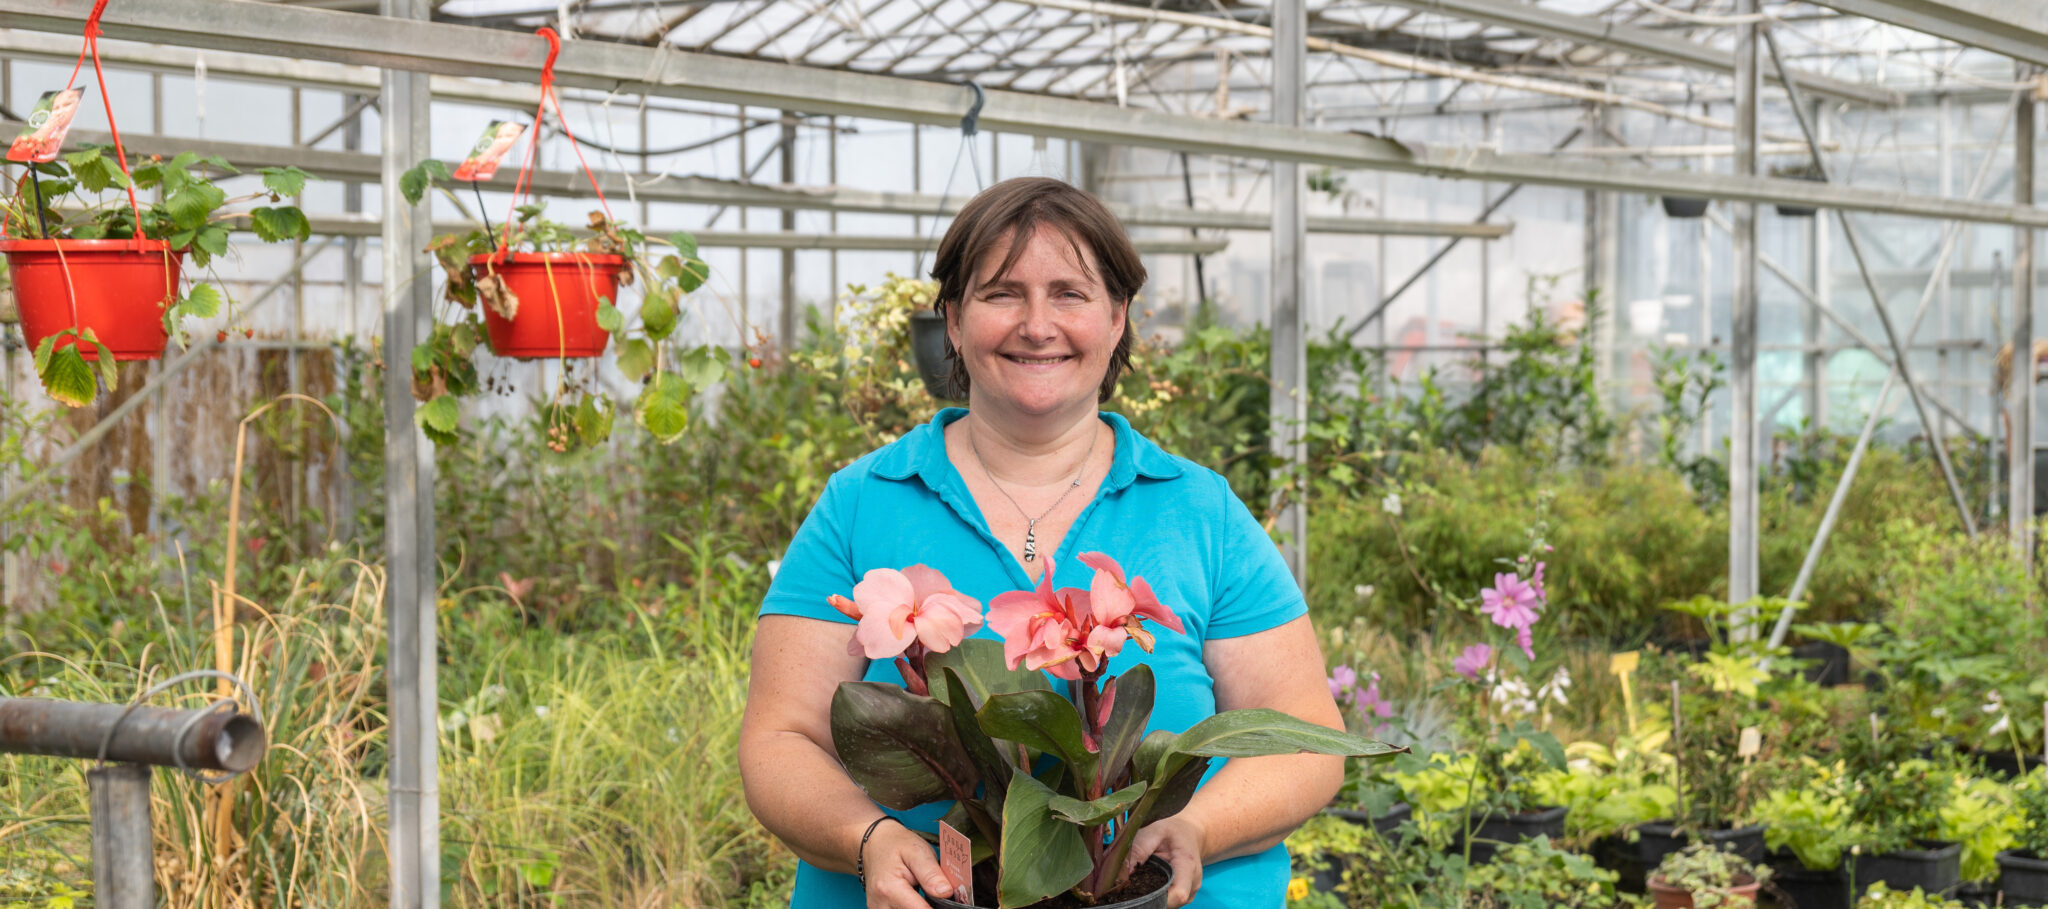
column 1015, row 209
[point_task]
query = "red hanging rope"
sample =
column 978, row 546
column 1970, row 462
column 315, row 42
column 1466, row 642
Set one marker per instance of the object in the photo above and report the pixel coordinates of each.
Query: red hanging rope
column 92, row 46
column 522, row 185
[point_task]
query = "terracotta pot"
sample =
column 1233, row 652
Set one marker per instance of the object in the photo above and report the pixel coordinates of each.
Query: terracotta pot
column 1666, row 896
column 117, row 288
column 558, row 296
column 1153, row 900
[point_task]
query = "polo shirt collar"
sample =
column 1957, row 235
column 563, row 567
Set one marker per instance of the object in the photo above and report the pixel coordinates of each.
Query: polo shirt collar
column 922, row 453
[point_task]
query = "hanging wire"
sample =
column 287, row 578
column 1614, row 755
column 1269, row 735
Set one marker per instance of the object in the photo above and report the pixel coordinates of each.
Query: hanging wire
column 969, row 126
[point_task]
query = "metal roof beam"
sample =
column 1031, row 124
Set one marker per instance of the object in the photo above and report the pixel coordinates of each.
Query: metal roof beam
column 457, row 50
column 2013, row 28
column 1629, row 39
column 363, row 167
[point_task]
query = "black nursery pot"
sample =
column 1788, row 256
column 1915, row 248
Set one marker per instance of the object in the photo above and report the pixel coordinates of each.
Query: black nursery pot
column 1684, row 207
column 1799, row 887
column 2023, row 876
column 1661, row 838
column 1832, row 666
column 1936, row 867
column 928, row 346
column 1383, row 824
column 2005, row 764
column 1153, row 900
column 1494, row 832
column 1797, row 211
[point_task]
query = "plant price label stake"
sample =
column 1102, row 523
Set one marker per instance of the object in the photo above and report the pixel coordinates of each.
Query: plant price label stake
column 1623, row 665
column 956, row 859
column 1751, row 742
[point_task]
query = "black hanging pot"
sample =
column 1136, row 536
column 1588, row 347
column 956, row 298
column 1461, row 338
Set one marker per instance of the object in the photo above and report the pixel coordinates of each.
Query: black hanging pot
column 1495, row 831
column 1662, row 837
column 1150, row 880
column 1936, row 866
column 1797, row 211
column 1799, row 887
column 1684, row 207
column 2023, row 876
column 928, row 345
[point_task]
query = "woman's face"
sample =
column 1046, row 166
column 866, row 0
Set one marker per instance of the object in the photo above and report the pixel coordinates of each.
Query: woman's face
column 1037, row 340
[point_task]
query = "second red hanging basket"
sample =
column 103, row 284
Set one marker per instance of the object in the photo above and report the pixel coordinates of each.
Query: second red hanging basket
column 117, row 288
column 558, row 295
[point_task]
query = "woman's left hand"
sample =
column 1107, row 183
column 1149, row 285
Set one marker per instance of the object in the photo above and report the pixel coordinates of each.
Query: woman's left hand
column 1177, row 840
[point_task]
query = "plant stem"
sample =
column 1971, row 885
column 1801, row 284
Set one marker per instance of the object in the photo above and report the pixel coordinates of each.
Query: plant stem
column 481, row 210
column 36, row 182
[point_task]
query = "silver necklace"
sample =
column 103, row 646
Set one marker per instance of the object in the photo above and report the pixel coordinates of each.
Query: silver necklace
column 1031, row 523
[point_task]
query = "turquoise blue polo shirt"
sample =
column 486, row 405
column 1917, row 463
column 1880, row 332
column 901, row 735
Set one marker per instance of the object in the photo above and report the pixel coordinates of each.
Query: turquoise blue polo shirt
column 1165, row 518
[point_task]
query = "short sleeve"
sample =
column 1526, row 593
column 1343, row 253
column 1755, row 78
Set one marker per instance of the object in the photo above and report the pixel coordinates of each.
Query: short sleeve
column 819, row 561
column 1254, row 589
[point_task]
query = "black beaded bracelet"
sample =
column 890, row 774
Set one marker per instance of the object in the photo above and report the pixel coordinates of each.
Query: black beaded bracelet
column 860, row 857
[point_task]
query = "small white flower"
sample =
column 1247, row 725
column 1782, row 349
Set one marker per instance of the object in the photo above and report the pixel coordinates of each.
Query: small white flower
column 540, row 710
column 1554, row 689
column 2003, row 723
column 1391, row 504
column 1364, row 591
column 1513, row 694
column 1938, row 712
column 1992, row 702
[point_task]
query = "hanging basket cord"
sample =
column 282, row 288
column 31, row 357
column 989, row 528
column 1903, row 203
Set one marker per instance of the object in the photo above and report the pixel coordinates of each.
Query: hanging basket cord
column 523, row 186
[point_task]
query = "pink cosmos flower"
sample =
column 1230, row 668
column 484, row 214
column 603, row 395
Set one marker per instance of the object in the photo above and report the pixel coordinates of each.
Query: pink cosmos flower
column 1511, row 602
column 1474, row 659
column 896, row 608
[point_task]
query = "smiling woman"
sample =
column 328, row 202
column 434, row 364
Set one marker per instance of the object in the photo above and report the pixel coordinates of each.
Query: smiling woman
column 1036, row 280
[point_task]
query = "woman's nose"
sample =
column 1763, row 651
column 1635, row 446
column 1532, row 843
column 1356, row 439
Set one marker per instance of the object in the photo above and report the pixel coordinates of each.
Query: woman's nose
column 1038, row 323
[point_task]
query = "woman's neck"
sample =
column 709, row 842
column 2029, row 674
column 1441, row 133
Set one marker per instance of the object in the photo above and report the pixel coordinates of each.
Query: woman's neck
column 1033, row 453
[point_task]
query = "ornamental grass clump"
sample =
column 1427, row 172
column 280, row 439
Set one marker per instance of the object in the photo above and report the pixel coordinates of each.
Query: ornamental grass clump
column 1053, row 786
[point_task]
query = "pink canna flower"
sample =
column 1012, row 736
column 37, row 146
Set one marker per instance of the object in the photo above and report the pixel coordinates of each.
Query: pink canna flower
column 898, row 608
column 1045, row 629
column 1510, row 602
column 1118, row 603
column 1474, row 659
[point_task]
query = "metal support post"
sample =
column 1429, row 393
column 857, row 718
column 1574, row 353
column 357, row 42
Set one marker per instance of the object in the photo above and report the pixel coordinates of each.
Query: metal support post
column 1884, row 318
column 785, row 335
column 415, row 849
column 123, row 857
column 1815, row 398
column 2019, row 501
column 1289, row 407
column 1742, row 417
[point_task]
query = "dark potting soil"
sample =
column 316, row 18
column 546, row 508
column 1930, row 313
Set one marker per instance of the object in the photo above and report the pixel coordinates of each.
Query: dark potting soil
column 1147, row 878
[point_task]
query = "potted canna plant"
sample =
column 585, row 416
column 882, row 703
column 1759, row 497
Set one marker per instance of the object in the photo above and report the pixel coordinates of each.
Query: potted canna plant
column 97, row 281
column 1050, row 789
column 536, row 288
column 1707, row 877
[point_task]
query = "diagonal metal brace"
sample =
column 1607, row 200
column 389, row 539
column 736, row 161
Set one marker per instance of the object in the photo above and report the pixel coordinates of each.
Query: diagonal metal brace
column 1891, row 334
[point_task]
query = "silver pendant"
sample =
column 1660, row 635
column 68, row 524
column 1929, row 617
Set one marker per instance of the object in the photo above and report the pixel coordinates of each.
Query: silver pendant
column 1031, row 542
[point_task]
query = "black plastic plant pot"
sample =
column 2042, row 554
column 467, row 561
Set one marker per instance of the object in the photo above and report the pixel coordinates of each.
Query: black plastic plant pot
column 1152, row 899
column 1662, row 837
column 2023, row 876
column 2005, row 764
column 928, row 346
column 1799, row 887
column 1494, row 832
column 1327, row 878
column 1383, row 824
column 1684, row 207
column 1830, row 663
column 1797, row 211
column 1936, row 867
column 1976, row 893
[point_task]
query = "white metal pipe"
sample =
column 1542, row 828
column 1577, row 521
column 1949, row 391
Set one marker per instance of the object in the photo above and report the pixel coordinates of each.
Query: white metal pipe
column 1289, row 363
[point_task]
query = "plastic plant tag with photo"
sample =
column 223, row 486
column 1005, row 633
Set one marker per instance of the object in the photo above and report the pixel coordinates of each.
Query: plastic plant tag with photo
column 956, row 859
column 47, row 124
column 490, row 149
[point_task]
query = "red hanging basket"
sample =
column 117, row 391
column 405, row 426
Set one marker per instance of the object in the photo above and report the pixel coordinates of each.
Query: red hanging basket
column 558, row 296
column 117, row 288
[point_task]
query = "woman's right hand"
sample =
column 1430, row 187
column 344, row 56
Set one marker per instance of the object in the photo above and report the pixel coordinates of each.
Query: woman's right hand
column 897, row 862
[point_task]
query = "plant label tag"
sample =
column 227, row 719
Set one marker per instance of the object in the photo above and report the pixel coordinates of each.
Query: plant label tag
column 490, row 148
column 1624, row 664
column 48, row 121
column 956, row 859
column 1752, row 741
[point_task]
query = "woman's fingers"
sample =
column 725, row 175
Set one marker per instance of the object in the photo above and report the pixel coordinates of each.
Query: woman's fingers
column 898, row 866
column 1179, row 843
